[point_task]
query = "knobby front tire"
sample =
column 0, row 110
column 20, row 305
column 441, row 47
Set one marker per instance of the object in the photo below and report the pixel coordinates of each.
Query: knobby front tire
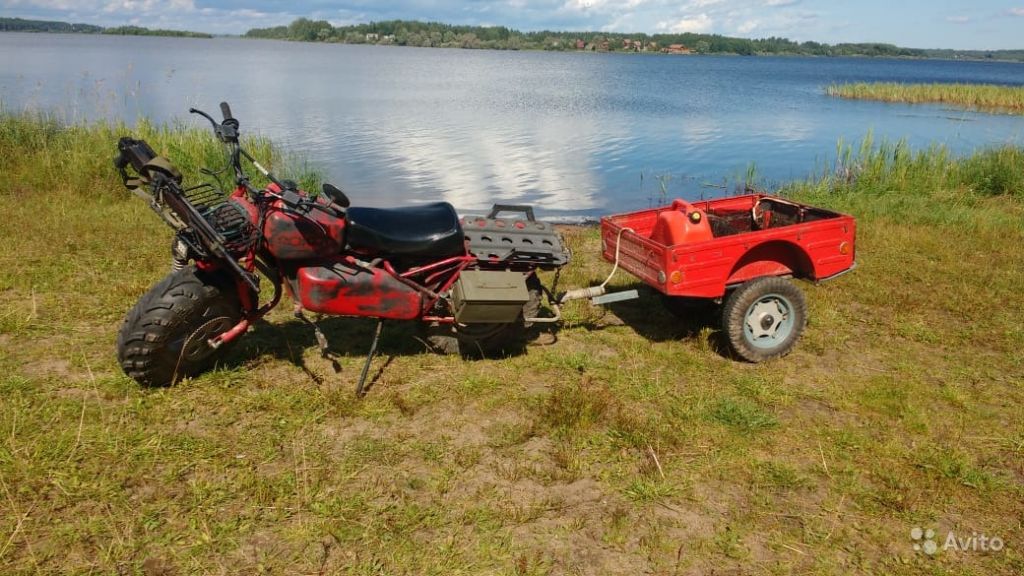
column 164, row 337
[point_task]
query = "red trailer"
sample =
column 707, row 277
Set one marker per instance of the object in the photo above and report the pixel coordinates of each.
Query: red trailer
column 740, row 251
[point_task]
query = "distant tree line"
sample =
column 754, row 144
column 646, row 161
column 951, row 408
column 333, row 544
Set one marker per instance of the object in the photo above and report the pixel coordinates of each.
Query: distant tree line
column 439, row 35
column 140, row 31
column 22, row 25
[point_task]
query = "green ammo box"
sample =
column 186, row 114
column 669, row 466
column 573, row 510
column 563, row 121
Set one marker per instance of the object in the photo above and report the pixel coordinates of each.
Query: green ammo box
column 481, row 296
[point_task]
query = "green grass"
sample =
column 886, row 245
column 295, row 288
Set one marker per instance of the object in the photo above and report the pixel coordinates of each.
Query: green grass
column 629, row 445
column 988, row 97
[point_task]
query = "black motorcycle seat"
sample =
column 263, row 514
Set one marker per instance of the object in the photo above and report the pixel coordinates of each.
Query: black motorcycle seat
column 427, row 230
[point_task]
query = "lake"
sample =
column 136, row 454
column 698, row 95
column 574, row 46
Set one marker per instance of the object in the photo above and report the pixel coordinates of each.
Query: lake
column 576, row 134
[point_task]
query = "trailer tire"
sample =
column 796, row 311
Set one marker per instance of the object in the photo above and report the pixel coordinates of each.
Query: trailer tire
column 763, row 318
column 163, row 338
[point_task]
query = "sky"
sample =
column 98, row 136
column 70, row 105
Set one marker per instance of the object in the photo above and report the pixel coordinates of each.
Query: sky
column 978, row 24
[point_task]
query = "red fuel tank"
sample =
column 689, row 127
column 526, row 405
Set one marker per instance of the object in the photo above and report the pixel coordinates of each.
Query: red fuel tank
column 682, row 224
column 294, row 236
column 343, row 290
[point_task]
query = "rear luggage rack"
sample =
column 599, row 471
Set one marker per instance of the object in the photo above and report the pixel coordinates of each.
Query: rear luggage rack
column 514, row 240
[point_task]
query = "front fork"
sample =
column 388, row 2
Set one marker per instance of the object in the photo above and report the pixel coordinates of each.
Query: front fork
column 251, row 310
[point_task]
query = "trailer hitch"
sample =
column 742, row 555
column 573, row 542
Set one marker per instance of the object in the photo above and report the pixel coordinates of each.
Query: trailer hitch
column 599, row 295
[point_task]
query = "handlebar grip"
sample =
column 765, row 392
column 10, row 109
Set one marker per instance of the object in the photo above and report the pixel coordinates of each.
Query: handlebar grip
column 226, row 111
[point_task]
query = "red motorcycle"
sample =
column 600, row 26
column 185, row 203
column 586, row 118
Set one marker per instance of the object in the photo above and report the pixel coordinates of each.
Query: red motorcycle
column 471, row 282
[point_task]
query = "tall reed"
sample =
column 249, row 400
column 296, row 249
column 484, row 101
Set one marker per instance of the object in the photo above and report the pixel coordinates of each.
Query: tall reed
column 42, row 154
column 988, row 97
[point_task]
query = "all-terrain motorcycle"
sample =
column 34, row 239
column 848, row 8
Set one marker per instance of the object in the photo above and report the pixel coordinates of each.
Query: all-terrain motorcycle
column 471, row 282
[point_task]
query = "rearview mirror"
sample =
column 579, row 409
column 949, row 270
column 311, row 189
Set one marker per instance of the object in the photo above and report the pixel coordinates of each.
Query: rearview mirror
column 336, row 195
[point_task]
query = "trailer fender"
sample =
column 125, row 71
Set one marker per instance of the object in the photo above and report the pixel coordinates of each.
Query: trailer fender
column 774, row 258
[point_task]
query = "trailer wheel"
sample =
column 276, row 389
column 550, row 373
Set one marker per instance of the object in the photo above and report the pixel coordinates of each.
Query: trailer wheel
column 763, row 318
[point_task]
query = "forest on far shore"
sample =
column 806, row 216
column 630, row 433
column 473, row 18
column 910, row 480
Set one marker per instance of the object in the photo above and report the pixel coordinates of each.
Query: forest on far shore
column 439, row 35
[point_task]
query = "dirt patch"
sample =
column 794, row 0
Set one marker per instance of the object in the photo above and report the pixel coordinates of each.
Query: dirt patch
column 52, row 368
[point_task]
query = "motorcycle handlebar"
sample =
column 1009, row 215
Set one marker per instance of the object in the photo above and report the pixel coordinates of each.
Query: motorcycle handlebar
column 226, row 111
column 204, row 115
column 229, row 120
column 226, row 131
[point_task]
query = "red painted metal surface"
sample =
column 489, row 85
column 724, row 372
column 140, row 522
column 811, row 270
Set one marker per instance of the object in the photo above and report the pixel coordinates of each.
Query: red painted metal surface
column 340, row 289
column 291, row 235
column 792, row 238
column 683, row 224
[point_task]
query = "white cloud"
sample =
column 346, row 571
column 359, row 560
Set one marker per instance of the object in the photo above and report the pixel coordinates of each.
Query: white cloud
column 958, row 19
column 702, row 3
column 748, row 26
column 1016, row 11
column 698, row 23
column 780, row 3
column 130, row 6
column 54, row 4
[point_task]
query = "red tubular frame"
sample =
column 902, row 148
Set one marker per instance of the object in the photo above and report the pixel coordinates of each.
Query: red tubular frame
column 250, row 310
column 451, row 266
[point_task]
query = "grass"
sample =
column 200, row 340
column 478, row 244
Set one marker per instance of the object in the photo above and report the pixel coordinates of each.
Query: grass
column 629, row 445
column 988, row 97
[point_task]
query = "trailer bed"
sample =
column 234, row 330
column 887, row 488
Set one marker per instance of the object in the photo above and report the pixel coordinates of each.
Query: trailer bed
column 728, row 241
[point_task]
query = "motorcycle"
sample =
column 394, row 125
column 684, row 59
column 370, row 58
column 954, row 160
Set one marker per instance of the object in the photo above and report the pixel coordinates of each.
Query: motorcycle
column 470, row 282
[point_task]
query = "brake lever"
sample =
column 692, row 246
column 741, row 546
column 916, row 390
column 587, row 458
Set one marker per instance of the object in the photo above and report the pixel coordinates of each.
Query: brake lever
column 204, row 115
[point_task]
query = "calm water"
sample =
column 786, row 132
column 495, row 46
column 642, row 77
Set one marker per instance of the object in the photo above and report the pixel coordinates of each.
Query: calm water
column 574, row 134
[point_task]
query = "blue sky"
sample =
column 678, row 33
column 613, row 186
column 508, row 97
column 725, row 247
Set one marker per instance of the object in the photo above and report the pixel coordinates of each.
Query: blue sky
column 981, row 24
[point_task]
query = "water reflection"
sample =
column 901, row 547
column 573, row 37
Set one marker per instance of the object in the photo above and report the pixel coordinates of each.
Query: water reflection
column 575, row 134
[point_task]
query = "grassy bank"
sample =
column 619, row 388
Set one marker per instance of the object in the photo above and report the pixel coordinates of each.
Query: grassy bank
column 629, row 445
column 987, row 97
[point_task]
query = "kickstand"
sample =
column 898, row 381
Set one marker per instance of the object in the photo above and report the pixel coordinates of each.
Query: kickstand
column 360, row 387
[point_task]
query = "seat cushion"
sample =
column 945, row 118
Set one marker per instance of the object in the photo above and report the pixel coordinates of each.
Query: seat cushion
column 427, row 230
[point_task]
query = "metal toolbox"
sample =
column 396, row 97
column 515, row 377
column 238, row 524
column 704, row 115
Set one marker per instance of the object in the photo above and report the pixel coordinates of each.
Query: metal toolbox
column 483, row 296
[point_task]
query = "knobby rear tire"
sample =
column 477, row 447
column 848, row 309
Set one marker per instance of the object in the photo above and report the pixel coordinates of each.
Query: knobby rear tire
column 163, row 338
column 485, row 340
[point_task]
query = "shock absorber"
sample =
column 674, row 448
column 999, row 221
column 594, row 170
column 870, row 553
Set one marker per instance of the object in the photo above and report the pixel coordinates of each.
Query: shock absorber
column 179, row 255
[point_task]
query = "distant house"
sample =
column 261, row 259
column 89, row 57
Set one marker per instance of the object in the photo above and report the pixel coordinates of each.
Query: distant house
column 580, row 44
column 676, row 49
column 632, row 45
column 372, row 37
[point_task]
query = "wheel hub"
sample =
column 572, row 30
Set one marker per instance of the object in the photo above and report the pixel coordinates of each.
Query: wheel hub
column 765, row 317
column 197, row 346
